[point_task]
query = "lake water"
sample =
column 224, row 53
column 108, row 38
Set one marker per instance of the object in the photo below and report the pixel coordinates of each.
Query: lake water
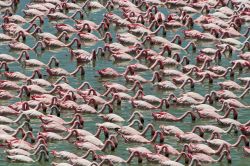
column 125, row 110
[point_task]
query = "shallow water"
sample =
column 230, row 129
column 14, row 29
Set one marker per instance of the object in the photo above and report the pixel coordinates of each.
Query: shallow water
column 125, row 110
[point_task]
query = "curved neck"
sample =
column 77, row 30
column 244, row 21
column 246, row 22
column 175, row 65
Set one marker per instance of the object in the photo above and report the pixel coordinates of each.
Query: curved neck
column 73, row 41
column 232, row 126
column 88, row 153
column 22, row 54
column 155, row 76
column 20, row 117
column 51, row 60
column 149, row 126
column 134, row 122
column 183, row 154
column 79, row 68
column 241, row 138
column 6, row 68
column 138, row 94
column 108, row 91
column 20, row 129
column 194, row 162
column 184, row 60
column 189, row 80
column 178, row 38
column 136, row 84
column 36, row 72
column 24, row 88
column 104, row 107
column 207, row 98
column 80, row 13
column 156, row 135
column 246, row 45
column 186, row 114
column 244, row 93
column 30, row 27
column 60, row 79
column 133, row 116
column 71, row 134
column 83, row 85
column 108, row 142
column 128, row 69
column 57, row 87
column 235, row 114
column 224, row 106
column 64, row 33
column 221, row 157
column 133, row 154
column 164, row 101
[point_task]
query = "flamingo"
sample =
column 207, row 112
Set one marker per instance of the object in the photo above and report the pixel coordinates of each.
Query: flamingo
column 171, row 130
column 92, row 38
column 69, row 155
column 5, row 120
column 121, row 88
column 110, row 72
column 17, row 151
column 229, row 121
column 21, row 144
column 4, row 37
column 84, row 133
column 191, row 136
column 168, row 85
column 55, row 127
column 231, row 85
column 158, row 158
column 142, row 150
column 206, row 106
column 25, row 159
column 118, row 160
column 149, row 98
column 7, row 137
column 136, row 77
column 58, row 15
column 203, row 158
column 63, row 72
column 167, row 149
column 169, row 117
column 234, row 103
column 9, row 58
column 186, row 100
column 88, row 145
column 9, row 85
column 51, row 136
column 112, row 117
column 213, row 115
column 96, row 5
column 21, row 46
column 35, row 62
column 212, row 128
column 19, row 19
column 143, row 105
column 128, row 130
column 141, row 139
column 216, row 142
column 202, row 148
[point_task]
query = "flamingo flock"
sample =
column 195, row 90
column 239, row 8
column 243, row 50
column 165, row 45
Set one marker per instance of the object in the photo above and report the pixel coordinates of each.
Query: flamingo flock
column 109, row 82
